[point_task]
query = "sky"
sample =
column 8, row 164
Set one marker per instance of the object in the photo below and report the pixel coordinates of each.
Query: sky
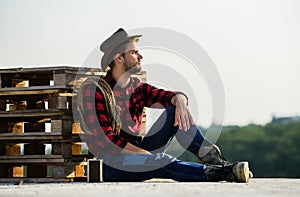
column 254, row 45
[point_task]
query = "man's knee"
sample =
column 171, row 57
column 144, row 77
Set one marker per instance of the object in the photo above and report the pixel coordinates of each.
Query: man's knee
column 170, row 111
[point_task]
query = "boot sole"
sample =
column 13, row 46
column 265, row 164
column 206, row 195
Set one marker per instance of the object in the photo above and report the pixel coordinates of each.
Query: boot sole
column 242, row 172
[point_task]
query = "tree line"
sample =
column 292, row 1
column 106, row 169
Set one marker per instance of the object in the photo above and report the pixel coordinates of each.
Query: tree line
column 272, row 149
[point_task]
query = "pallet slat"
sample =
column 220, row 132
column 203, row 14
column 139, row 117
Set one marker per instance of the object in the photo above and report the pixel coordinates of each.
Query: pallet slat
column 33, row 113
column 25, row 159
column 33, row 90
column 30, row 136
column 34, row 180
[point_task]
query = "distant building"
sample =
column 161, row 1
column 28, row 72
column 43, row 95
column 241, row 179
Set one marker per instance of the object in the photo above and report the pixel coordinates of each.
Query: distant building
column 285, row 119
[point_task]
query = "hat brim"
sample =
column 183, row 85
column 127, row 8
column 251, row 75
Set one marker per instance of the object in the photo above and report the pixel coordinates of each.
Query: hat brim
column 107, row 57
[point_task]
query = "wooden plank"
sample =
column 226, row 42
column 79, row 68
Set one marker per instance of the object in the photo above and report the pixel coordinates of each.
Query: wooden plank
column 61, row 126
column 16, row 105
column 50, row 69
column 80, row 170
column 76, row 129
column 77, row 148
column 33, row 113
column 16, row 171
column 34, row 180
column 62, row 149
column 40, row 76
column 15, row 127
column 24, row 159
column 58, row 102
column 13, row 149
column 30, row 136
column 62, row 79
column 18, row 83
column 40, row 70
column 34, row 90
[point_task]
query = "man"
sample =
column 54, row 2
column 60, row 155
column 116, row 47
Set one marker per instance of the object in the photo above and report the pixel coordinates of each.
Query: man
column 113, row 120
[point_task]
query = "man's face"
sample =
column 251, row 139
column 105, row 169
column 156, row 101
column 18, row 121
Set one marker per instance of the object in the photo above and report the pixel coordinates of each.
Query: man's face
column 132, row 59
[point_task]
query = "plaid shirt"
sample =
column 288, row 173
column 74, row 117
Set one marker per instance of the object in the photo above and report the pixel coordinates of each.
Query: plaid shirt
column 132, row 100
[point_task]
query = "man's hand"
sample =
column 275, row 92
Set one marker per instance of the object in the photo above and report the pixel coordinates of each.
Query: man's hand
column 183, row 117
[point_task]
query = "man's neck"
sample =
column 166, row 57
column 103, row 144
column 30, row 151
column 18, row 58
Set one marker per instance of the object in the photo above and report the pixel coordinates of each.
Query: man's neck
column 122, row 78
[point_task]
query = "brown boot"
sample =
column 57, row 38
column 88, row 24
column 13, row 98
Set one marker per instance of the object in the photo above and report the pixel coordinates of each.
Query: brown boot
column 236, row 172
column 210, row 154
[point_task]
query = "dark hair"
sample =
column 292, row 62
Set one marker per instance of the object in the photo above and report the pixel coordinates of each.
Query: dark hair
column 118, row 50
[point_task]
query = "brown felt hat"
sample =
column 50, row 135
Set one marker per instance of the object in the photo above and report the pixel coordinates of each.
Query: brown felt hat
column 111, row 43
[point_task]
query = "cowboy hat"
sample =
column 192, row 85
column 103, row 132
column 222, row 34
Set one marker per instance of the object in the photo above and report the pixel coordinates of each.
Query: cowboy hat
column 111, row 43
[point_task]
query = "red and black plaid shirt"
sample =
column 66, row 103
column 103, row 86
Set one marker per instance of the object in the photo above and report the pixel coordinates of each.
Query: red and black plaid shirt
column 132, row 100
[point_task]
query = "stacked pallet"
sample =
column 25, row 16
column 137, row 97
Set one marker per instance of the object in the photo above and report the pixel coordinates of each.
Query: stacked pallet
column 40, row 138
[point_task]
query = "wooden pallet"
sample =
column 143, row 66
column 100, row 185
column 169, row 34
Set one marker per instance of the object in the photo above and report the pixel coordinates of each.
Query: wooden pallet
column 30, row 100
column 40, row 140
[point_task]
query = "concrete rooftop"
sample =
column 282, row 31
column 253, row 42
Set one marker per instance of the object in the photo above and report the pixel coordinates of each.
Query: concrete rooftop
column 156, row 188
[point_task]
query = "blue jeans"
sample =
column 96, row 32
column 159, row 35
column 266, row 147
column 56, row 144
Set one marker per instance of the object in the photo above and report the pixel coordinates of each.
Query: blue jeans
column 139, row 167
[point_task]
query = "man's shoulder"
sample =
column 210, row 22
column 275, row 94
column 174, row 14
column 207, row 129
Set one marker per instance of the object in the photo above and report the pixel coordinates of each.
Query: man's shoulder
column 136, row 82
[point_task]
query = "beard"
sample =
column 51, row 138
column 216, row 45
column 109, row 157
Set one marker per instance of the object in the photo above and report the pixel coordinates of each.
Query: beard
column 132, row 67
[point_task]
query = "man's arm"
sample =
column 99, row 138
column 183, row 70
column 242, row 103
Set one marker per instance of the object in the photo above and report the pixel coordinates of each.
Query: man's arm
column 153, row 95
column 183, row 117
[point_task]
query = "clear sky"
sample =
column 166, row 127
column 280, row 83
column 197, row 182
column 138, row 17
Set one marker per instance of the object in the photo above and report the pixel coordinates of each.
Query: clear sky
column 254, row 44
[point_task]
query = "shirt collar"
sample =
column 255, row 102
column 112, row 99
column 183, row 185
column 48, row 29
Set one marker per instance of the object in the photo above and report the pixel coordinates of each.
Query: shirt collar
column 109, row 79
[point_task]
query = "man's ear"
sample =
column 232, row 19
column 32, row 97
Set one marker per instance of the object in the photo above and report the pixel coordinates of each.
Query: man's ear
column 118, row 57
